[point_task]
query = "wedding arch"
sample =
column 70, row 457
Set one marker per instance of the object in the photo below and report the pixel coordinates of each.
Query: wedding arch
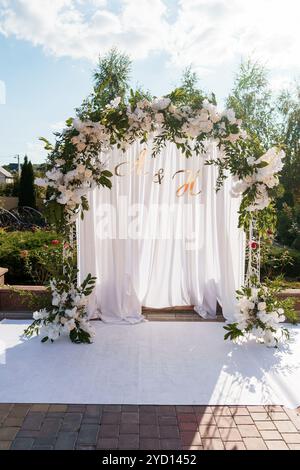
column 77, row 164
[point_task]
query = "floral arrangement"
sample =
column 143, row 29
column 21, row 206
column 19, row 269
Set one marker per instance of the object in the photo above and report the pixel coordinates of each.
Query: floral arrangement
column 77, row 162
column 259, row 313
column 68, row 313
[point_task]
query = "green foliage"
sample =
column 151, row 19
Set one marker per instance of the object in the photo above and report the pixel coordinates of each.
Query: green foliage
column 111, row 78
column 252, row 100
column 27, row 196
column 283, row 261
column 289, row 109
column 269, row 294
column 11, row 189
column 30, row 257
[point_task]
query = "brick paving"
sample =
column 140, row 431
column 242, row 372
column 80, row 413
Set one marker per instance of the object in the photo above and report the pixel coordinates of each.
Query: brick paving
column 111, row 427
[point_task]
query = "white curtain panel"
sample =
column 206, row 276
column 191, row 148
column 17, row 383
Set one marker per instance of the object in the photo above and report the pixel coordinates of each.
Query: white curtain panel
column 161, row 237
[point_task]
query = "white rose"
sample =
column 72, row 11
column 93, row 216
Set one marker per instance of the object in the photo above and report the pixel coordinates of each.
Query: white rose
column 56, row 300
column 251, row 160
column 269, row 339
column 37, row 316
column 81, row 147
column 230, row 114
column 71, row 313
column 114, row 103
column 160, row 103
column 262, row 306
column 159, row 118
column 70, row 325
column 88, row 173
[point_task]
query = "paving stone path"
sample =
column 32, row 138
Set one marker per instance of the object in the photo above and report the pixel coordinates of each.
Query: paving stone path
column 89, row 427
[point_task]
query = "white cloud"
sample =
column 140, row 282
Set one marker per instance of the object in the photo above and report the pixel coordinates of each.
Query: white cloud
column 207, row 33
column 35, row 151
column 58, row 126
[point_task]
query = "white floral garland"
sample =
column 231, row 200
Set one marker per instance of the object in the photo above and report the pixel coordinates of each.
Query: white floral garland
column 147, row 118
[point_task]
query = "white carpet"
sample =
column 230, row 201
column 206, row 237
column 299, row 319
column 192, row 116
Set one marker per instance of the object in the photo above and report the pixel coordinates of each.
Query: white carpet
column 149, row 363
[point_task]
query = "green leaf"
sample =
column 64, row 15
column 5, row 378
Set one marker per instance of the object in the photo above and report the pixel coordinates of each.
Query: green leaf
column 48, row 145
column 69, row 122
column 262, row 164
column 107, row 173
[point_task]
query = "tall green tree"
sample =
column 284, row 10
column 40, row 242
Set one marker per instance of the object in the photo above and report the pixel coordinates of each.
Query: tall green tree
column 111, row 79
column 252, row 100
column 27, row 195
column 289, row 108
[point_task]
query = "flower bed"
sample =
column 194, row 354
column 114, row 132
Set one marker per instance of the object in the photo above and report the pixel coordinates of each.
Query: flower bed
column 29, row 256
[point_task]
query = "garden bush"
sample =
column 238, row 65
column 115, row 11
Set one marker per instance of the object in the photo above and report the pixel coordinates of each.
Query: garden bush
column 30, row 256
column 281, row 261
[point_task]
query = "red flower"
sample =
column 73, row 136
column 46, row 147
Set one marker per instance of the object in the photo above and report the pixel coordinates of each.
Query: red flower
column 253, row 245
column 55, row 242
column 269, row 231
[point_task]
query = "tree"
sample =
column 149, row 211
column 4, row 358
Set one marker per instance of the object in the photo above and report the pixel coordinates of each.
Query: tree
column 253, row 102
column 289, row 108
column 111, row 78
column 27, row 195
column 189, row 82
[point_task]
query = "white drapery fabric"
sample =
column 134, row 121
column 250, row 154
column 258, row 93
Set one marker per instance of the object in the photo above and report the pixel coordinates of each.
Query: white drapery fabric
column 161, row 237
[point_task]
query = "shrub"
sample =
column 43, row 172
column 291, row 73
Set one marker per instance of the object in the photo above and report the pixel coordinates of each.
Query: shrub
column 281, row 261
column 30, row 257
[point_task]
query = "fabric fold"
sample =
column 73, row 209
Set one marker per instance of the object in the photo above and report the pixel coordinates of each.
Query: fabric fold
column 161, row 237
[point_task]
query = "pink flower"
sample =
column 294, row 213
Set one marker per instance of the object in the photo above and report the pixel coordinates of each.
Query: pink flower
column 55, row 242
column 253, row 245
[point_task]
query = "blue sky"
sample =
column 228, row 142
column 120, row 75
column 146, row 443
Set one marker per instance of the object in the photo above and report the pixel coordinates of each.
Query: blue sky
column 48, row 50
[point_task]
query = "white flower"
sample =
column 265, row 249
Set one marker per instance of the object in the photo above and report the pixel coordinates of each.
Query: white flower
column 114, row 103
column 88, row 173
column 70, row 325
column 78, row 125
column 262, row 306
column 160, row 103
column 56, row 300
column 258, row 332
column 269, row 339
column 51, row 330
column 251, row 161
column 42, row 182
column 159, row 118
column 40, row 315
column 280, row 311
column 233, row 137
column 213, row 111
column 54, row 175
column 79, row 301
column 86, row 326
column 71, row 313
column 230, row 114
